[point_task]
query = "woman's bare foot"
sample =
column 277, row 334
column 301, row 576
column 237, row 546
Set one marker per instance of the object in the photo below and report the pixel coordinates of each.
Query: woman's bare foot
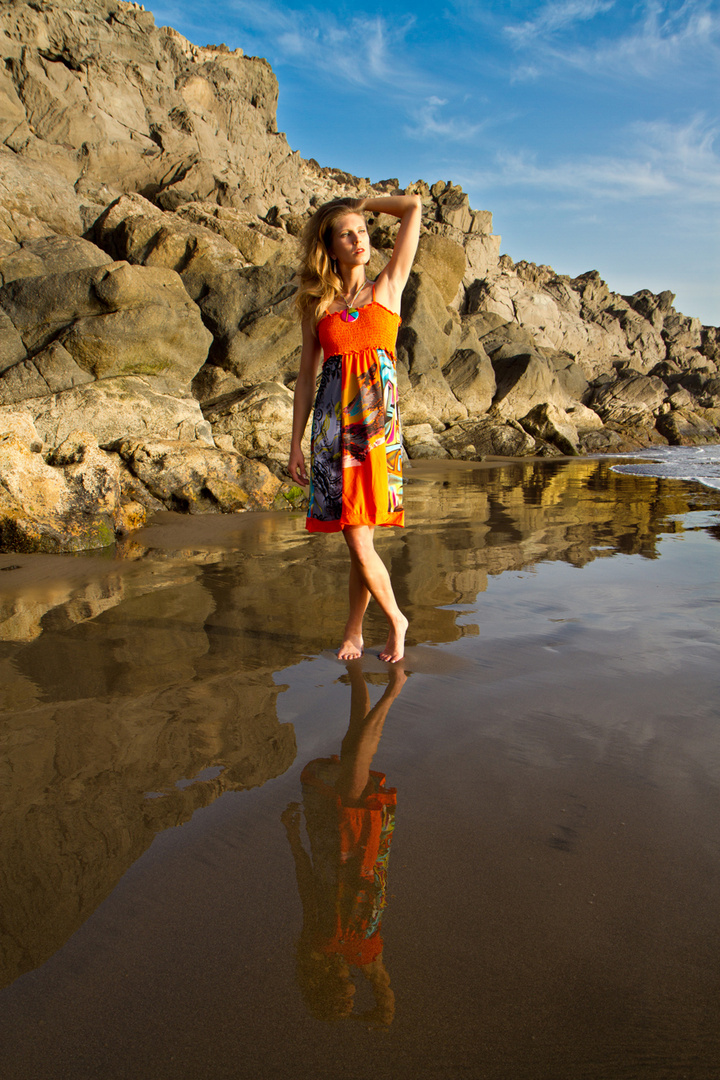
column 394, row 649
column 351, row 648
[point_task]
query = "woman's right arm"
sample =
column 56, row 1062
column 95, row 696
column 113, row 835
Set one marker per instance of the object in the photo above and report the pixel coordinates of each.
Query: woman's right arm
column 303, row 401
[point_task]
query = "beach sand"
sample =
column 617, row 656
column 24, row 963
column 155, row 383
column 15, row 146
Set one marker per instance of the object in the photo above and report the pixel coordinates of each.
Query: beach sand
column 554, row 877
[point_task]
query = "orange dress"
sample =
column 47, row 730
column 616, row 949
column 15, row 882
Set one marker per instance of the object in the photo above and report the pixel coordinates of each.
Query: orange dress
column 356, row 447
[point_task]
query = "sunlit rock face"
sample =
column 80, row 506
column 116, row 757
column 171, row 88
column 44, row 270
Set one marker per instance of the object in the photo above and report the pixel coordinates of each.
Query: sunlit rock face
column 149, row 222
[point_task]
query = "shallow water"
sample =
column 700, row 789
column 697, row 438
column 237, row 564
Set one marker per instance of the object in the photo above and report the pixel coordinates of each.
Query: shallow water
column 554, row 876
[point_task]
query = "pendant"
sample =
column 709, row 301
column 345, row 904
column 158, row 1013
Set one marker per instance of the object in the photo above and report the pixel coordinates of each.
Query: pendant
column 349, row 315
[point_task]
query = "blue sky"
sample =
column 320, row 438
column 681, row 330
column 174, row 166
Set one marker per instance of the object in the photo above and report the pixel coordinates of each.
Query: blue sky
column 590, row 128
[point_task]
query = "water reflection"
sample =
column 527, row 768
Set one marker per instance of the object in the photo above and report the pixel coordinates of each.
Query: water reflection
column 122, row 682
column 342, row 880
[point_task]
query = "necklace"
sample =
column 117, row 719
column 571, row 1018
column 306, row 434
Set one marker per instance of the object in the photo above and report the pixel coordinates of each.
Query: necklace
column 351, row 313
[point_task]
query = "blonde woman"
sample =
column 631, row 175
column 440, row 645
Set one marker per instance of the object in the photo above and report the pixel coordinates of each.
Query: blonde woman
column 351, row 324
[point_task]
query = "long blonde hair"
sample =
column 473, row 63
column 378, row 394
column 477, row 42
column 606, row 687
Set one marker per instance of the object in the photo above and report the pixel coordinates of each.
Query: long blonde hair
column 319, row 282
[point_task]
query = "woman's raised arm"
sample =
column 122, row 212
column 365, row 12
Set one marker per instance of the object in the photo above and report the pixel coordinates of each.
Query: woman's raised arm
column 409, row 209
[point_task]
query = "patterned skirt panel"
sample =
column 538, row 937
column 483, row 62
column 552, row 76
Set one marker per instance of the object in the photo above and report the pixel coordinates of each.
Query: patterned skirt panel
column 356, row 449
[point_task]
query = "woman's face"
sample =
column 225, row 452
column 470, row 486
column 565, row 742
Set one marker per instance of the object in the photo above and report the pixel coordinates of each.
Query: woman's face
column 351, row 244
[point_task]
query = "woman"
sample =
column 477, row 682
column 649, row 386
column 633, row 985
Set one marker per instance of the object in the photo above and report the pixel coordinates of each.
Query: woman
column 352, row 323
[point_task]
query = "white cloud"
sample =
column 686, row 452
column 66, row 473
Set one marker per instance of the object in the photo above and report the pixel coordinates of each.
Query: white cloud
column 556, row 16
column 662, row 161
column 364, row 51
column 666, row 38
column 430, row 123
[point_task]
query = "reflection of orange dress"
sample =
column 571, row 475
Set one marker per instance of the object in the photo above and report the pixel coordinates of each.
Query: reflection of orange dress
column 356, row 472
column 351, row 848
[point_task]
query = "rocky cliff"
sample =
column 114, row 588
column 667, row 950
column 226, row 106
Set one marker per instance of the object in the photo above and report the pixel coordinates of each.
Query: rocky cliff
column 149, row 214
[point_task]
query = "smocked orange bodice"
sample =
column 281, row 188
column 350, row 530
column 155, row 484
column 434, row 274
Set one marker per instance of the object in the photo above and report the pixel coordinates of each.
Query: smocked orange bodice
column 376, row 327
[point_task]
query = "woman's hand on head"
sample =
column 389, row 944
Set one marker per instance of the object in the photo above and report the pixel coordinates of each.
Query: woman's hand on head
column 297, row 468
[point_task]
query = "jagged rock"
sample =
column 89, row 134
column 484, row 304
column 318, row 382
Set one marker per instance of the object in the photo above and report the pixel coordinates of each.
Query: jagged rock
column 420, row 441
column 523, row 382
column 471, row 440
column 470, row 375
column 553, row 425
column 12, row 349
column 35, row 201
column 114, row 97
column 444, row 261
column 20, row 425
column 704, row 386
column 682, row 427
column 680, row 399
column 259, row 425
column 192, row 477
column 632, row 398
column 70, row 502
column 113, row 408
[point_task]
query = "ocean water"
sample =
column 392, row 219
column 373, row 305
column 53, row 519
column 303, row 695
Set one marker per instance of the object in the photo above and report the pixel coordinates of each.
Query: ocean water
column 553, row 881
column 697, row 464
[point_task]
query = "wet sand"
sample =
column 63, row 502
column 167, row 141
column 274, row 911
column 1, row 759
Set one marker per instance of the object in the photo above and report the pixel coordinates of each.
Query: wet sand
column 554, row 876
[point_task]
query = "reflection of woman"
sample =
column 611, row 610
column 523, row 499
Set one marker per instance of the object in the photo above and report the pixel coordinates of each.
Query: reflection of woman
column 350, row 816
column 352, row 323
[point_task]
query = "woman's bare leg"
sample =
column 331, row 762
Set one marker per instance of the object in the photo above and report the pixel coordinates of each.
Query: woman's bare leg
column 353, row 644
column 372, row 573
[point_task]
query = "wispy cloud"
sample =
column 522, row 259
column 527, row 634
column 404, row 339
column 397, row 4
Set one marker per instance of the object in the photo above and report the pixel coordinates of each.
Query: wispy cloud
column 364, row 51
column 669, row 36
column 662, row 162
column 557, row 15
column 429, row 122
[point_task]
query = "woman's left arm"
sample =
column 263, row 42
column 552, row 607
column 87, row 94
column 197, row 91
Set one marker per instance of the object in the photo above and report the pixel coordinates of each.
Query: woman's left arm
column 409, row 209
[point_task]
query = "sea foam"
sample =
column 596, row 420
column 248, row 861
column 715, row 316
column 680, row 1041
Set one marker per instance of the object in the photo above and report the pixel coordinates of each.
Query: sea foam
column 698, row 463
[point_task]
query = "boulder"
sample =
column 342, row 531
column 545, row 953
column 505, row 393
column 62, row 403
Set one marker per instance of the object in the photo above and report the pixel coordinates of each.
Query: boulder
column 112, row 409
column 69, row 502
column 553, row 425
column 472, row 440
column 259, row 425
column 631, row 398
column 444, row 261
column 470, row 375
column 420, row 441
column 49, row 255
column 524, row 381
column 682, row 427
column 193, row 478
column 430, row 334
column 112, row 320
column 35, row 200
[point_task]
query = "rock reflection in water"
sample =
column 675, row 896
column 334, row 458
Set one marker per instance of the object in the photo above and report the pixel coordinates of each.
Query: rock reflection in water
column 350, row 819
column 114, row 722
column 120, row 686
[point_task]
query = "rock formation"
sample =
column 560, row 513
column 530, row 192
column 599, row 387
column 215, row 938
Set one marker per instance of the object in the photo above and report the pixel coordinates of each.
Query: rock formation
column 149, row 214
